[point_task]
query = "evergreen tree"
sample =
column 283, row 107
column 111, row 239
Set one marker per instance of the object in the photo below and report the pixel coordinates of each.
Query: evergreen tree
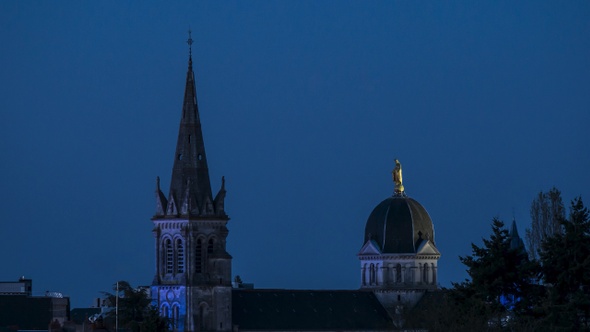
column 547, row 212
column 454, row 310
column 465, row 309
column 153, row 322
column 503, row 280
column 135, row 311
column 566, row 272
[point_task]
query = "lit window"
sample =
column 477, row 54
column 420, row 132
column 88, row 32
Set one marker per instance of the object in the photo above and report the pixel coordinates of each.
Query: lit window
column 165, row 312
column 175, row 315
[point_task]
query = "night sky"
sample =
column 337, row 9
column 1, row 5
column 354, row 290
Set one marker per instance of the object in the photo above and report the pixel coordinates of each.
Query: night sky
column 304, row 106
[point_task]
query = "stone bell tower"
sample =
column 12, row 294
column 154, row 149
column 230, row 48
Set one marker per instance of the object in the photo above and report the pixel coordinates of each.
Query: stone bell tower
column 192, row 283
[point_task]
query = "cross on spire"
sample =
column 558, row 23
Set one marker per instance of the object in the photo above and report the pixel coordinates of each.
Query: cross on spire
column 190, row 43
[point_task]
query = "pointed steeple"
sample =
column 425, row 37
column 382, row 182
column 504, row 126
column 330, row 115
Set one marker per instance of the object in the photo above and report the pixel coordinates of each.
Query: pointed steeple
column 515, row 240
column 190, row 173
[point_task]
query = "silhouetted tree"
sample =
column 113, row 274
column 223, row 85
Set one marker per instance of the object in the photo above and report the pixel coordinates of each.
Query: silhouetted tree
column 503, row 280
column 547, row 212
column 565, row 258
column 448, row 310
column 135, row 310
column 505, row 290
column 153, row 322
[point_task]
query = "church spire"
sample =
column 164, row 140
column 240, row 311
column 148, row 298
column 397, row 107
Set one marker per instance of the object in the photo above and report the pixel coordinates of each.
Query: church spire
column 190, row 175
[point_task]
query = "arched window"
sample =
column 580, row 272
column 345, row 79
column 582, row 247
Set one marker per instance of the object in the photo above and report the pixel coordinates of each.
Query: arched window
column 175, row 315
column 199, row 256
column 202, row 317
column 398, row 273
column 364, row 274
column 165, row 311
column 372, row 276
column 210, row 246
column 389, row 274
column 425, row 273
column 179, row 256
column 169, row 256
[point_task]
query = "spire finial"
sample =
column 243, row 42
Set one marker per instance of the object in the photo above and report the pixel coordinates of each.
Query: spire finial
column 190, row 43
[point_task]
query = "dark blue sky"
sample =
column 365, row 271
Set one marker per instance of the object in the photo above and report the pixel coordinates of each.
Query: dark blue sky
column 304, row 107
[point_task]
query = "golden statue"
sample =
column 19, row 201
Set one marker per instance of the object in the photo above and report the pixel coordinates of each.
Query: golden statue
column 397, row 177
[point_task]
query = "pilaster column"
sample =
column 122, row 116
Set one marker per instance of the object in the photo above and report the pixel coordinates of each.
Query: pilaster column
column 364, row 274
column 434, row 274
column 403, row 273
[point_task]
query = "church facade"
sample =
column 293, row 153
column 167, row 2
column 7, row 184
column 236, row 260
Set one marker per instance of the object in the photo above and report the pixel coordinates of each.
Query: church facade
column 192, row 282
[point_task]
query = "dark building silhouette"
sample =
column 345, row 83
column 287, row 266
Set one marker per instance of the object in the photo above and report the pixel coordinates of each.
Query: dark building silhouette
column 19, row 310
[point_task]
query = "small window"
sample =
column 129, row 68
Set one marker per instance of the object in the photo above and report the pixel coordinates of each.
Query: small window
column 179, row 256
column 180, row 156
column 210, row 246
column 164, row 311
column 175, row 314
column 199, row 257
column 169, row 256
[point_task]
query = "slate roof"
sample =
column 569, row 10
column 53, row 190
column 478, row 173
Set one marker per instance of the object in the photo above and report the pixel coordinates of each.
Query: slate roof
column 190, row 172
column 308, row 310
column 398, row 224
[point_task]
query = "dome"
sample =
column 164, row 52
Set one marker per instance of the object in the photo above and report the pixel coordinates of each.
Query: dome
column 398, row 225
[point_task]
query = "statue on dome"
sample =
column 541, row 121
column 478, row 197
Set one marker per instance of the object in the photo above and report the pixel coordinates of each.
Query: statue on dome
column 397, row 177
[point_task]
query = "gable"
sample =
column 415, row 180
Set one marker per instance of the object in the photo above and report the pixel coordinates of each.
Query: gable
column 370, row 248
column 427, row 248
